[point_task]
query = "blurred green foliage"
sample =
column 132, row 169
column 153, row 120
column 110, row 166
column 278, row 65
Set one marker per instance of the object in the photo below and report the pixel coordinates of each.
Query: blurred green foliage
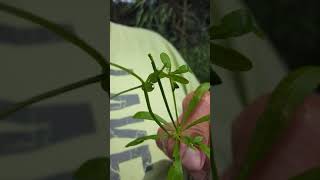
column 182, row 22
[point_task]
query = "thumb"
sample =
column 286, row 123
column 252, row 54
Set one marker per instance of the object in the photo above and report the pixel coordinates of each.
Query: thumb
column 192, row 159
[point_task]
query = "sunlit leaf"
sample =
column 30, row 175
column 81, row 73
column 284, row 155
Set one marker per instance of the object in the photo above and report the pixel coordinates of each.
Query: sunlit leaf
column 197, row 139
column 141, row 140
column 234, row 24
column 93, row 169
column 165, row 60
column 174, row 77
column 182, row 69
column 287, row 96
column 311, row 174
column 229, row 58
column 178, row 79
column 199, row 92
column 146, row 115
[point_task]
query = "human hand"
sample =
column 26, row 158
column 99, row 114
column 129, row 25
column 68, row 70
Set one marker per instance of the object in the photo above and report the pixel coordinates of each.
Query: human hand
column 296, row 151
column 195, row 161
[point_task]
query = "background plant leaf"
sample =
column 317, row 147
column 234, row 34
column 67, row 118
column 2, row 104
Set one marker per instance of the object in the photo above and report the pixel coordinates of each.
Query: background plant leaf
column 140, row 140
column 93, row 169
column 287, row 96
column 146, row 115
column 229, row 58
column 234, row 24
column 311, row 174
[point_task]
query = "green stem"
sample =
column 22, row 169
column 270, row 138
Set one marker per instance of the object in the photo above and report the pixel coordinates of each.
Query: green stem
column 162, row 91
column 49, row 94
column 145, row 94
column 174, row 101
column 152, row 114
column 125, row 91
column 128, row 71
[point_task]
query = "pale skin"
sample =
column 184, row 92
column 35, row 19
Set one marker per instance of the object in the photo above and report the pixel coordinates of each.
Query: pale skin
column 295, row 152
column 195, row 161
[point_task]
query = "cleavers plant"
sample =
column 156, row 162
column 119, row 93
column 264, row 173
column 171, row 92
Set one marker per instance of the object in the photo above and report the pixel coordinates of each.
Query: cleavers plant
column 174, row 131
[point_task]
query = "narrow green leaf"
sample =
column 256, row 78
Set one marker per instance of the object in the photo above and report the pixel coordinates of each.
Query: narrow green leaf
column 214, row 78
column 311, row 174
column 93, row 169
column 175, row 171
column 146, row 115
column 198, row 121
column 199, row 92
column 234, row 24
column 187, row 140
column 57, row 29
column 165, row 60
column 144, row 18
column 197, row 140
column 178, row 79
column 229, row 58
column 204, row 148
column 140, row 140
column 163, row 75
column 287, row 96
column 182, row 69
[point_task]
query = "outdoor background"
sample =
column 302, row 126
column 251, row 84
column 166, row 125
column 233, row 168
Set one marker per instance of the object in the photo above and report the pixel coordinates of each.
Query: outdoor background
column 183, row 22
